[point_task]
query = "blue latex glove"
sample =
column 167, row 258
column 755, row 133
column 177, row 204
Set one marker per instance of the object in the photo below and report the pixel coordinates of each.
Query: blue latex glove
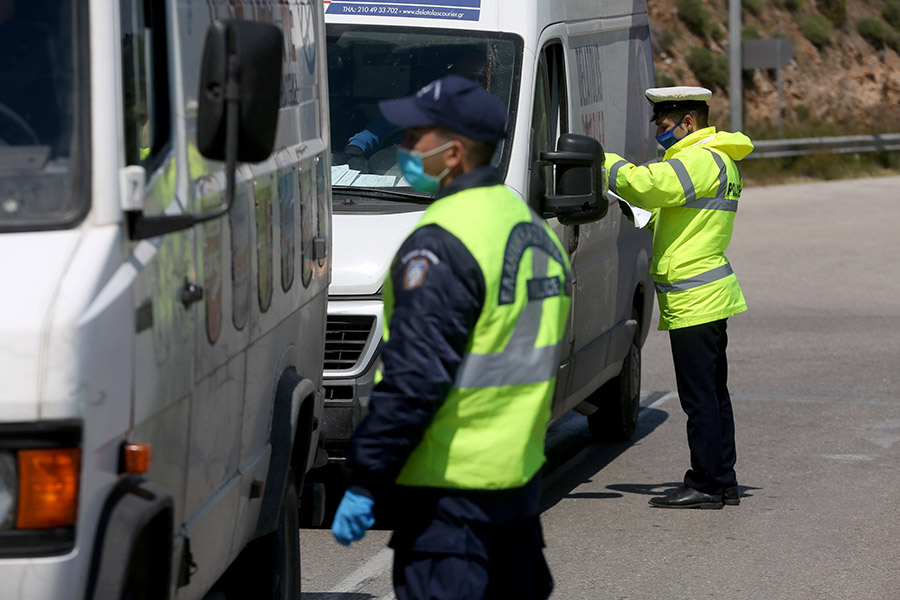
column 353, row 518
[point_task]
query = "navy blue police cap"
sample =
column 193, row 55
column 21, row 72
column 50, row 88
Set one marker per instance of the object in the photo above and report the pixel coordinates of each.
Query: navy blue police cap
column 454, row 103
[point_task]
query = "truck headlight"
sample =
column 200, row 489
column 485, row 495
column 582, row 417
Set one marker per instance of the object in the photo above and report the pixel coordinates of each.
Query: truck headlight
column 9, row 490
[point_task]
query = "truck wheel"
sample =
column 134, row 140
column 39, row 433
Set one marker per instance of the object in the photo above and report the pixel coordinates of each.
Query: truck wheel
column 619, row 400
column 286, row 545
column 269, row 567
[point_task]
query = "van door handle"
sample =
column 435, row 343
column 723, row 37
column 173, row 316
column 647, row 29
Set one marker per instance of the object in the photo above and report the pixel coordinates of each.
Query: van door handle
column 190, row 293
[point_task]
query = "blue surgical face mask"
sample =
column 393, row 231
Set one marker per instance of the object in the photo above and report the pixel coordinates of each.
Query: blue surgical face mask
column 667, row 138
column 413, row 169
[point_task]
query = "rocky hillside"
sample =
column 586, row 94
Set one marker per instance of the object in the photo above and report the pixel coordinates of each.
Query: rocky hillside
column 845, row 76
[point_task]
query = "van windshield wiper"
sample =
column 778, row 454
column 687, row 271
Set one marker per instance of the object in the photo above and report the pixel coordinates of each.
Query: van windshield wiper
column 381, row 194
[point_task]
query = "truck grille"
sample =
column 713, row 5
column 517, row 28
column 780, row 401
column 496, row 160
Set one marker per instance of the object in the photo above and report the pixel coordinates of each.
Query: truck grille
column 345, row 340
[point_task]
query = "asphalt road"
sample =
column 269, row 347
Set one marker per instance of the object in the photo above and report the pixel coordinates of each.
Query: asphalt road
column 815, row 378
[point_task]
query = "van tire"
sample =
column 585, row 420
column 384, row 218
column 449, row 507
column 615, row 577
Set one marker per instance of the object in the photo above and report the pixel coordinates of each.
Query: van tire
column 269, row 567
column 619, row 400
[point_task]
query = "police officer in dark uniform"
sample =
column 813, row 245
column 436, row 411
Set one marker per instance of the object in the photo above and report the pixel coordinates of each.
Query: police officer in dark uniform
column 475, row 307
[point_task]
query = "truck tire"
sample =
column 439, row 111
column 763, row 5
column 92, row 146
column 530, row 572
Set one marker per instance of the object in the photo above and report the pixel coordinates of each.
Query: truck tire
column 269, row 567
column 619, row 400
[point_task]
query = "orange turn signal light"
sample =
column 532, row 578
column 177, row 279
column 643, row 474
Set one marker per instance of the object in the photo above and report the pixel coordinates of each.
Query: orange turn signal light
column 48, row 487
column 136, row 457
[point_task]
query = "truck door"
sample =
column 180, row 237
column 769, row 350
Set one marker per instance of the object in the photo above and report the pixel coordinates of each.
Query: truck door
column 223, row 278
column 164, row 325
column 549, row 119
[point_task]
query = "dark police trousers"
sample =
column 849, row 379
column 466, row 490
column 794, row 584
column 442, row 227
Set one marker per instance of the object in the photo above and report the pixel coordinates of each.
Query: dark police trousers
column 701, row 374
column 447, row 549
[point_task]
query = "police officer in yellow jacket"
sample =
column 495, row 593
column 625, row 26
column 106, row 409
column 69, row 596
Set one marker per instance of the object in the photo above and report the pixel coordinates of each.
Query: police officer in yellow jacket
column 693, row 195
column 475, row 307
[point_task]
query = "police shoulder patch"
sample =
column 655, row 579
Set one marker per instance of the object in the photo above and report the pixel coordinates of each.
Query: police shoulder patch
column 416, row 269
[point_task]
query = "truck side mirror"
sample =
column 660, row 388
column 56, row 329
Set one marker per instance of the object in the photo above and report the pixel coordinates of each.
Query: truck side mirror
column 240, row 88
column 239, row 96
column 581, row 184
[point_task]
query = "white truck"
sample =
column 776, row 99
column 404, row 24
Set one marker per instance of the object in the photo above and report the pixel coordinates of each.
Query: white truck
column 572, row 74
column 165, row 218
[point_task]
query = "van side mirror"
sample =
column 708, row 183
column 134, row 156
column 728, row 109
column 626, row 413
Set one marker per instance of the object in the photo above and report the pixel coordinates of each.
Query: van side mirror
column 240, row 74
column 239, row 96
column 581, row 185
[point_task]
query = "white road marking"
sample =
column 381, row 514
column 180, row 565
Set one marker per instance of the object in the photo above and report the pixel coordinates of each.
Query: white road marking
column 373, row 568
column 657, row 403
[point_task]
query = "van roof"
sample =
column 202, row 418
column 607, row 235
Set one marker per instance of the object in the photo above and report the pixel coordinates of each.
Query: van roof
column 515, row 16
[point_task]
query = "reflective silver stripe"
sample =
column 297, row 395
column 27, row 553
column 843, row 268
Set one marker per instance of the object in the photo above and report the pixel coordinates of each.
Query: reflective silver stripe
column 723, row 173
column 524, row 366
column 687, row 185
column 529, row 322
column 521, row 362
column 614, row 173
column 719, row 202
column 696, row 281
column 714, row 204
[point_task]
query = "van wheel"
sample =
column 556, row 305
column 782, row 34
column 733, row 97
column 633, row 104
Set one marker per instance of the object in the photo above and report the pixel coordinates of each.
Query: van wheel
column 269, row 567
column 618, row 401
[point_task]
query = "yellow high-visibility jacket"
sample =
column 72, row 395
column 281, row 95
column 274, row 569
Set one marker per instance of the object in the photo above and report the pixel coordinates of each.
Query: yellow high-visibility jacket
column 693, row 193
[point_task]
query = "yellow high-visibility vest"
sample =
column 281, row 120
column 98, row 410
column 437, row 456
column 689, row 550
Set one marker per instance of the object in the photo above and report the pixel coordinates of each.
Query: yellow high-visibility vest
column 489, row 432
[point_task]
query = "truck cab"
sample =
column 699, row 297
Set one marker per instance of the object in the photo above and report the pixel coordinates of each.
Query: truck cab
column 165, row 250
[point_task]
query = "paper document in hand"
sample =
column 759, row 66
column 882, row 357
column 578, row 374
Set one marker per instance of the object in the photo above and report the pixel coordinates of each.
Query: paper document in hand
column 641, row 216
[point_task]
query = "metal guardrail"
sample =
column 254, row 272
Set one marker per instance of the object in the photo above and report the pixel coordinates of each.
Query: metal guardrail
column 881, row 142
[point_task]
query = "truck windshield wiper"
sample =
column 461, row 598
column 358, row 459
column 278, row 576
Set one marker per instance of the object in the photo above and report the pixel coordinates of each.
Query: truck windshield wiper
column 381, row 194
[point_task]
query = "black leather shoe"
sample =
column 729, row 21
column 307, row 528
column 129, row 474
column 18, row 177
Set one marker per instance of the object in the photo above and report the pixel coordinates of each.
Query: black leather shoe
column 687, row 497
column 732, row 496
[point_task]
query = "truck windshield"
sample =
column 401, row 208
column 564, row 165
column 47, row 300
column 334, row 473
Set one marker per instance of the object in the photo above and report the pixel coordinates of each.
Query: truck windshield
column 368, row 64
column 38, row 114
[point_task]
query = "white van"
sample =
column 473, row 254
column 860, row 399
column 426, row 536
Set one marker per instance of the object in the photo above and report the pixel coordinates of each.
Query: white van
column 562, row 68
column 165, row 284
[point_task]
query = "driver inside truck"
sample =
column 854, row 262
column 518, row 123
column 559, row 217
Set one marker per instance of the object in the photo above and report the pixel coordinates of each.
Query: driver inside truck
column 471, row 63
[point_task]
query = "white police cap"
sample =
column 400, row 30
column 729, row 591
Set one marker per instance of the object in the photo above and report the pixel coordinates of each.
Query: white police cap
column 678, row 93
column 666, row 99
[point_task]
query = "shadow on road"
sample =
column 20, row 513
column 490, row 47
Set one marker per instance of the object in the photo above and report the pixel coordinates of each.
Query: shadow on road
column 573, row 457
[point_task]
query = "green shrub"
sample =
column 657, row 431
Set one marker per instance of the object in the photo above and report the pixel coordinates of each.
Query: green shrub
column 817, row 29
column 874, row 31
column 754, row 7
column 750, row 33
column 791, row 5
column 891, row 13
column 833, row 10
column 716, row 32
column 663, row 40
column 695, row 15
column 709, row 68
column 802, row 111
column 665, row 80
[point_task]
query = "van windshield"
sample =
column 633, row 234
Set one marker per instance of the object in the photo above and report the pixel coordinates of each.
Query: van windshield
column 38, row 108
column 369, row 64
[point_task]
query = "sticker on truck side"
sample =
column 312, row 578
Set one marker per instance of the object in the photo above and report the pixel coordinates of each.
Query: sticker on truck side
column 453, row 10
